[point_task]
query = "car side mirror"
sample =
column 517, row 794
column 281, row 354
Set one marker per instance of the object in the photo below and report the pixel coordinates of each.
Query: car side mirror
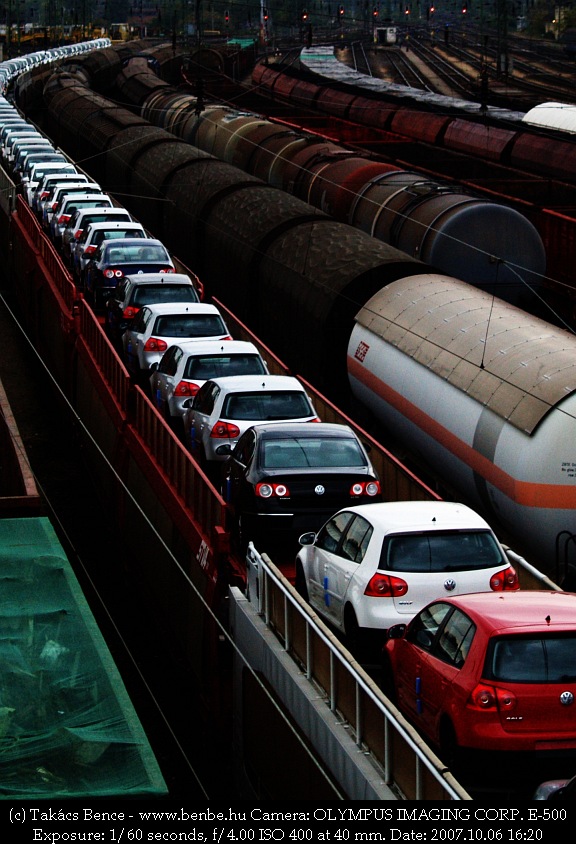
column 154, row 367
column 396, row 631
column 188, row 403
column 307, row 538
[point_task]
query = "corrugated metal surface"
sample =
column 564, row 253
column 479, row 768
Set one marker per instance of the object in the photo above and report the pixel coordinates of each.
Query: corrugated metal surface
column 544, row 155
column 420, row 124
column 518, row 366
column 381, row 114
column 478, row 138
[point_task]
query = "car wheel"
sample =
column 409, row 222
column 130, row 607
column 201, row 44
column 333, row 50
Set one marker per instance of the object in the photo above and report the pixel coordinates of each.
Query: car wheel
column 387, row 683
column 300, row 583
column 450, row 752
column 353, row 632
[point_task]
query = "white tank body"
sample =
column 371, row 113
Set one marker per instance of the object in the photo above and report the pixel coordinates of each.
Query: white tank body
column 485, row 393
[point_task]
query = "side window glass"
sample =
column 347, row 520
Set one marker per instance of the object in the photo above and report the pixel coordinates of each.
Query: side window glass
column 356, row 540
column 243, row 454
column 330, row 535
column 423, row 629
column 454, row 640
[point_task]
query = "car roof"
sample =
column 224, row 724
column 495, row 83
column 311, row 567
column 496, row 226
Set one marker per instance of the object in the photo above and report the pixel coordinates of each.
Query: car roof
column 280, row 430
column 65, row 177
column 116, row 224
column 181, row 308
column 398, row 516
column 137, row 241
column 525, row 610
column 156, row 278
column 213, row 347
column 78, row 197
column 108, row 210
column 240, row 383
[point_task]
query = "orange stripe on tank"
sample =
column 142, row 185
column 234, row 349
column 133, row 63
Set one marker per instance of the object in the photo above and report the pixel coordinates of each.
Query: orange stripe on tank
column 525, row 493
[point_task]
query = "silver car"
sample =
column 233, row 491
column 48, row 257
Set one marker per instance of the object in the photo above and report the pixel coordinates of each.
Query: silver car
column 184, row 367
column 226, row 407
column 156, row 327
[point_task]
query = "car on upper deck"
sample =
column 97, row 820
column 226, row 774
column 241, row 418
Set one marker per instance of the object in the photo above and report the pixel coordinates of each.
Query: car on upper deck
column 225, row 407
column 68, row 204
column 41, row 193
column 285, row 478
column 94, row 234
column 489, row 672
column 156, row 327
column 114, row 260
column 132, row 292
column 184, row 367
column 81, row 218
column 35, row 171
column 371, row 567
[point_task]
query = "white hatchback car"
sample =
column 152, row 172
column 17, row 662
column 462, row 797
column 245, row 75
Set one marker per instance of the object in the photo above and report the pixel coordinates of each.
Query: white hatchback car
column 373, row 566
column 226, row 407
column 156, row 327
column 184, row 367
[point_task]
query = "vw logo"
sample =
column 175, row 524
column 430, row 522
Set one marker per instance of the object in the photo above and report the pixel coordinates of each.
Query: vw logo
column 319, row 489
column 566, row 698
column 449, row 585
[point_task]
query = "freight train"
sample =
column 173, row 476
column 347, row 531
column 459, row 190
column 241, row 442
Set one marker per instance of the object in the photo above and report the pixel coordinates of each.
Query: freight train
column 478, row 240
column 511, row 138
column 472, row 384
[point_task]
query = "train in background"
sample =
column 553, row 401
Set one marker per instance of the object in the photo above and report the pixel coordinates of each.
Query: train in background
column 481, row 241
column 505, row 378
column 494, row 134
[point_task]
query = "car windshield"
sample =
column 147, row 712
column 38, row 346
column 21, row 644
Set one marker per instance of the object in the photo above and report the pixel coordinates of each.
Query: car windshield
column 155, row 294
column 266, row 405
column 189, row 325
column 438, row 551
column 311, row 452
column 533, row 659
column 203, row 367
column 136, row 254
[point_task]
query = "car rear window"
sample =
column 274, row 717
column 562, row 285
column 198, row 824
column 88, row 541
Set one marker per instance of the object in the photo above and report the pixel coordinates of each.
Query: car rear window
column 216, row 366
column 155, row 294
column 115, row 234
column 440, row 551
column 308, row 452
column 189, row 325
column 266, row 405
column 133, row 254
column 533, row 659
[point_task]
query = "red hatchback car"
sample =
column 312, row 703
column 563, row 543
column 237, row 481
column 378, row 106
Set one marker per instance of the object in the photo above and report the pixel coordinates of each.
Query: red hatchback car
column 492, row 671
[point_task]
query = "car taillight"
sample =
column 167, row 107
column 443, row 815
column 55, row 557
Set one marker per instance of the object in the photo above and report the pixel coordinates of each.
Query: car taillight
column 89, row 250
column 224, row 430
column 63, row 218
column 265, row 490
column 491, row 698
column 130, row 312
column 154, row 344
column 385, row 586
column 168, row 270
column 78, row 233
column 365, row 488
column 505, row 581
column 54, row 206
column 110, row 273
column 186, row 388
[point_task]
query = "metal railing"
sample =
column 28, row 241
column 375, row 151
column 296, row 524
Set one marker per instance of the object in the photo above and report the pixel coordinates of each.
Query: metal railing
column 401, row 756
